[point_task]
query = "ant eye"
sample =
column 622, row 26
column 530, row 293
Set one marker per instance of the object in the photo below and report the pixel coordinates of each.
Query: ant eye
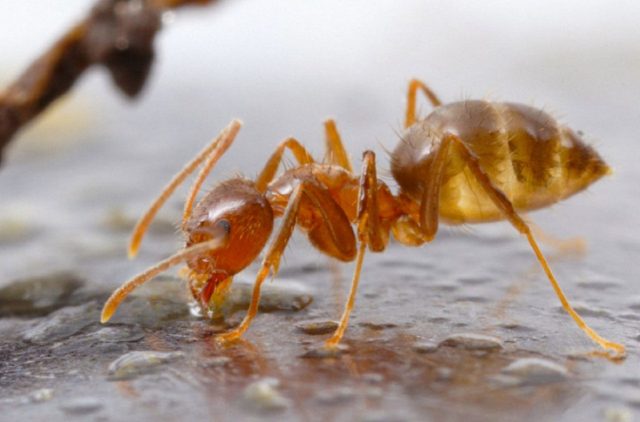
column 225, row 225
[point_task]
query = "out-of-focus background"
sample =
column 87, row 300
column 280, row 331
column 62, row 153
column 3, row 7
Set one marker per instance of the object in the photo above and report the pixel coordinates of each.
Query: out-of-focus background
column 73, row 181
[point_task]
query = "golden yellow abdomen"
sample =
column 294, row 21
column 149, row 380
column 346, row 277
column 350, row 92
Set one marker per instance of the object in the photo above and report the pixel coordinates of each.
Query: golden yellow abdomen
column 526, row 153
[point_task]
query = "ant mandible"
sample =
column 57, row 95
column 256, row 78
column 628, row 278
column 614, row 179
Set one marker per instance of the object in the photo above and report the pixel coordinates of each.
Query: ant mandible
column 466, row 162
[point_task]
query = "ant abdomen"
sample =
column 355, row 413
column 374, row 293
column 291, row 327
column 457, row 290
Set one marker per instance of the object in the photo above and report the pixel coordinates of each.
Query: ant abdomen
column 524, row 151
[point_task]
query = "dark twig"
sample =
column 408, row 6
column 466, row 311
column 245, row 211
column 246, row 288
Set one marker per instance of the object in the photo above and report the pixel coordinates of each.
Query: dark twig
column 117, row 34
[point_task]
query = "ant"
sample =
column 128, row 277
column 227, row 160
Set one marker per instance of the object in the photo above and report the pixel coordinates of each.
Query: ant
column 466, row 162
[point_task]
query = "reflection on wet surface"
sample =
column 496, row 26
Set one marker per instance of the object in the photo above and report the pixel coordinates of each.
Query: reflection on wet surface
column 400, row 361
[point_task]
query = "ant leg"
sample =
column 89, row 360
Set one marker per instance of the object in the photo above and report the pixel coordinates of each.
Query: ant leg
column 344, row 320
column 216, row 148
column 430, row 203
column 336, row 154
column 268, row 172
column 370, row 230
column 411, row 100
column 503, row 203
column 370, row 233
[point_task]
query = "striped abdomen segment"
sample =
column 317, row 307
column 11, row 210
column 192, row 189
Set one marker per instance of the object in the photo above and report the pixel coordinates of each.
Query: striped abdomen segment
column 524, row 151
column 549, row 161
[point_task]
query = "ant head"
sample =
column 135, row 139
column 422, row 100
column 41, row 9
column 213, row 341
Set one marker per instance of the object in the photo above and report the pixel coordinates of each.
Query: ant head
column 236, row 212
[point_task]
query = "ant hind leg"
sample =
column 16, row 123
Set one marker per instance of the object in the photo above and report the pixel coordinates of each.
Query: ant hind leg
column 268, row 172
column 503, row 203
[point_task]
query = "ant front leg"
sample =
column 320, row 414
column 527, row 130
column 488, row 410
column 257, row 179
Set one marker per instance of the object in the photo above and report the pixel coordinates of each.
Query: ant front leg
column 336, row 154
column 503, row 203
column 370, row 233
column 414, row 85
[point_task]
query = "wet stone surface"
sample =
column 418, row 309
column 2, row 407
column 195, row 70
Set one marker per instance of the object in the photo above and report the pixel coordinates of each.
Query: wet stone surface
column 39, row 296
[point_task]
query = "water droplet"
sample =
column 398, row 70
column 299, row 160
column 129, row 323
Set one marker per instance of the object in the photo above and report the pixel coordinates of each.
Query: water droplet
column 533, row 371
column 263, row 395
column 470, row 341
column 137, row 363
column 425, row 347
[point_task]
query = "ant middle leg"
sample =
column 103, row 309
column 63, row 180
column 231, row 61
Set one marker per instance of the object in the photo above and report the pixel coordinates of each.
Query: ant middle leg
column 414, row 85
column 336, row 154
column 503, row 203
column 271, row 167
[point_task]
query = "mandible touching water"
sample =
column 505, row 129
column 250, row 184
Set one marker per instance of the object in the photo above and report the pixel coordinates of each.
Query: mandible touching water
column 466, row 162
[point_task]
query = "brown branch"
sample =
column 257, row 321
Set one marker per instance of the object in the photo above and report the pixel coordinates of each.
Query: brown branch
column 117, row 34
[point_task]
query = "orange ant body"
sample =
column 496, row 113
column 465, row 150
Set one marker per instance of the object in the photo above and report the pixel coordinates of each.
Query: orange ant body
column 466, row 162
